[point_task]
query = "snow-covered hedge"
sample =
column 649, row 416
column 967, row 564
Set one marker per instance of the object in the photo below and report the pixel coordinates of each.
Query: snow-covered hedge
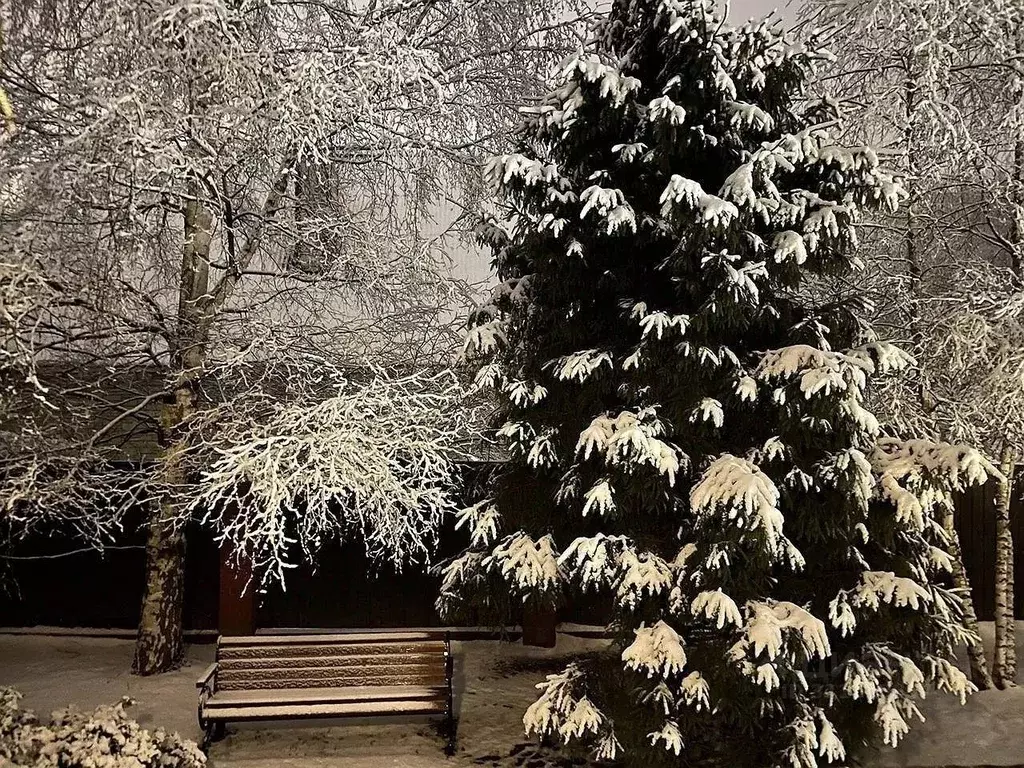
column 106, row 738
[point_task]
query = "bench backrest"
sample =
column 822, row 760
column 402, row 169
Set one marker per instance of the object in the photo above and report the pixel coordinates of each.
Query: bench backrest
column 331, row 661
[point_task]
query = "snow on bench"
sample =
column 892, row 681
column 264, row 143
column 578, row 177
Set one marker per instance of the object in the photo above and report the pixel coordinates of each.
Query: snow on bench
column 364, row 674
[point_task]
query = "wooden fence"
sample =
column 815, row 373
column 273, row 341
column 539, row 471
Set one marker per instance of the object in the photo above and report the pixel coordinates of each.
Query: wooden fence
column 976, row 526
column 91, row 589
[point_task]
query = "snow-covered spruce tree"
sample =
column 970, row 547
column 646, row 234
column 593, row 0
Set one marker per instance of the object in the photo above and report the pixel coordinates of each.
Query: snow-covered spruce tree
column 687, row 430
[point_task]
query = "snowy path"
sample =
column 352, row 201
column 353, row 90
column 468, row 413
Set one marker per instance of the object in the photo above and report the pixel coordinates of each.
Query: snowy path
column 494, row 686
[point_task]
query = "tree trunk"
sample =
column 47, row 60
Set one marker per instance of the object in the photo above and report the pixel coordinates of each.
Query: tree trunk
column 975, row 650
column 159, row 646
column 1004, row 665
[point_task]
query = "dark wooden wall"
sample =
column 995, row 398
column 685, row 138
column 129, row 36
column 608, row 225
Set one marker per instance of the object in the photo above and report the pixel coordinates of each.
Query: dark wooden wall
column 98, row 589
column 104, row 590
column 975, row 524
column 346, row 590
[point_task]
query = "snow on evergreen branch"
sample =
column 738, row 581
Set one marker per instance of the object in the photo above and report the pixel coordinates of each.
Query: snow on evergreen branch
column 670, row 736
column 718, row 607
column 631, row 438
column 529, row 566
column 580, row 366
column 593, row 561
column 641, row 575
column 737, row 489
column 563, row 710
column 610, row 205
column 769, row 623
column 656, row 649
column 482, row 520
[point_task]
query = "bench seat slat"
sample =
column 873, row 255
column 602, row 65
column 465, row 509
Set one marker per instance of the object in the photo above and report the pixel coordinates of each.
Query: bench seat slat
column 320, row 649
column 349, row 694
column 343, row 709
column 345, row 638
column 360, row 660
column 330, row 680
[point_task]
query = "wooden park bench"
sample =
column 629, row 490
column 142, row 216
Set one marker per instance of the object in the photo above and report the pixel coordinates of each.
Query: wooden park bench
column 281, row 677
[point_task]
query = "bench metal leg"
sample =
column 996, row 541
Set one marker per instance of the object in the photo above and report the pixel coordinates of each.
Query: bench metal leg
column 449, row 704
column 450, row 725
column 212, row 731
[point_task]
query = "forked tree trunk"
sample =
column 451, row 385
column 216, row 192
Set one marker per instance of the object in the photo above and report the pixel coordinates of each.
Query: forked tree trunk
column 975, row 650
column 1004, row 665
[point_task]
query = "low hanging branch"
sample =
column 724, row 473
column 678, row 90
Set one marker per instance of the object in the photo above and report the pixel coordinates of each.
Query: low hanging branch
column 375, row 461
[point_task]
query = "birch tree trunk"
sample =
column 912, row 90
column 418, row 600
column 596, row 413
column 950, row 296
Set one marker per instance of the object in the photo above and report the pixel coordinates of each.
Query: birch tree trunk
column 160, row 646
column 980, row 675
column 1004, row 665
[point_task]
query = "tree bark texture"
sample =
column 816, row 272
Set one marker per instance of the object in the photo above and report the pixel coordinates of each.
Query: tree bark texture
column 159, row 646
column 1004, row 665
column 980, row 675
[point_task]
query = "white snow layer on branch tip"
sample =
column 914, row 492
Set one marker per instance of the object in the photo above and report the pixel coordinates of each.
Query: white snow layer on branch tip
column 375, row 460
column 670, row 736
column 593, row 561
column 610, row 205
column 501, row 169
column 814, row 736
column 768, row 625
column 531, row 566
column 485, row 339
column 641, row 575
column 660, row 322
column 482, row 520
column 709, row 410
column 738, row 490
column 564, row 710
column 631, row 438
column 615, row 86
column 580, row 366
column 525, row 393
column 916, row 462
column 710, row 208
column 789, row 246
column 749, row 116
column 656, row 650
column 819, row 370
column 718, row 607
column 664, row 109
column 599, row 498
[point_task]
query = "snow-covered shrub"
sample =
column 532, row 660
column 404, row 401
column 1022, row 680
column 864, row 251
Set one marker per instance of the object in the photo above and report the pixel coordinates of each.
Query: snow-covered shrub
column 105, row 738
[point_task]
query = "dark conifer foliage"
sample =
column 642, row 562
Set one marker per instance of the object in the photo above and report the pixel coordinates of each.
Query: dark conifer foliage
column 686, row 418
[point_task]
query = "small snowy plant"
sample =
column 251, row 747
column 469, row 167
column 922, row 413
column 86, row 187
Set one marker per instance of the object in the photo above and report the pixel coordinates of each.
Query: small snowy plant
column 688, row 431
column 106, row 737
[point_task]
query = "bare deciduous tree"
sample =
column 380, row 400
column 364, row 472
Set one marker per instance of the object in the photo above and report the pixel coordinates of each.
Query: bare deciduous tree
column 217, row 193
column 936, row 84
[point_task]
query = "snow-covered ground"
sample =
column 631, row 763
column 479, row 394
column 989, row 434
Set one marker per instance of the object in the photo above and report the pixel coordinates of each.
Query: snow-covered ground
column 494, row 683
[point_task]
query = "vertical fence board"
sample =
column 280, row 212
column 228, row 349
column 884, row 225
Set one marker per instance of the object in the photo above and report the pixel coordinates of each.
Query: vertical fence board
column 975, row 524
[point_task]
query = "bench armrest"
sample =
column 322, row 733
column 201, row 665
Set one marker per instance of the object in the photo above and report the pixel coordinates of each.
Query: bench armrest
column 208, row 674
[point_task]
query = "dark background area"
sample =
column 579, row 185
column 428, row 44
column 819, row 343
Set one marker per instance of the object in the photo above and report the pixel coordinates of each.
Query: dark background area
column 104, row 589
